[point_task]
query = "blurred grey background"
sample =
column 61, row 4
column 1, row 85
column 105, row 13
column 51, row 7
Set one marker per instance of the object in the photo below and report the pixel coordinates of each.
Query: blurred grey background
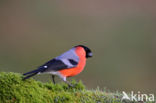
column 121, row 34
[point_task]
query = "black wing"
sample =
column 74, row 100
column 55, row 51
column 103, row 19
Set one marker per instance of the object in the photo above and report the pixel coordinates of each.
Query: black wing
column 56, row 65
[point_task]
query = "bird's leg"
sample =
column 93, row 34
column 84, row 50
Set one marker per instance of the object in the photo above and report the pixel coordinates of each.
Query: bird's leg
column 53, row 78
column 69, row 84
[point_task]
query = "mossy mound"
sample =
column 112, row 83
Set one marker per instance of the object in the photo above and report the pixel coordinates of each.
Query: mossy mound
column 14, row 90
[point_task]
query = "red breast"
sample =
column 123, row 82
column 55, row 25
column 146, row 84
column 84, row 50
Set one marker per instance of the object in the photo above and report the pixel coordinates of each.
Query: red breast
column 76, row 70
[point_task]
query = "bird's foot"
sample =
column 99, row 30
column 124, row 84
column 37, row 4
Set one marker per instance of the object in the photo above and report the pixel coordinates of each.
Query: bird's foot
column 71, row 86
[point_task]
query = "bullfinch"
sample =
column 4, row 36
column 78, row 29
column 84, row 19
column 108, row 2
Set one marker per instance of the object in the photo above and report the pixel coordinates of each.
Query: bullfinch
column 66, row 65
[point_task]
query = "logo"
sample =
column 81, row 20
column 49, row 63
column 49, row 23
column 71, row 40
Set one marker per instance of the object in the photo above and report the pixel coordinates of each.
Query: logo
column 138, row 97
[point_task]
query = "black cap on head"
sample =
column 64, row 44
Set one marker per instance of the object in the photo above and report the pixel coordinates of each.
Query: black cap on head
column 88, row 51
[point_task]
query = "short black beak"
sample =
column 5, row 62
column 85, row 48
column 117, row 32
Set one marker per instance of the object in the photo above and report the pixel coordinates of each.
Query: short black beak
column 90, row 54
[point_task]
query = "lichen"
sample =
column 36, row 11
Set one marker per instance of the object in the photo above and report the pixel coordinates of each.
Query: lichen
column 14, row 90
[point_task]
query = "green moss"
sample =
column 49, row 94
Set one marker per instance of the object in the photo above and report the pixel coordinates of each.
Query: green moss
column 14, row 90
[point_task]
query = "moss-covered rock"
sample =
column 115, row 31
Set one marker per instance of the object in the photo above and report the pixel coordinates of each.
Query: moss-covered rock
column 14, row 90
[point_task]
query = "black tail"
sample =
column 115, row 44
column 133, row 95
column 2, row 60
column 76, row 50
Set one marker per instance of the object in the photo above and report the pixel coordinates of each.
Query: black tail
column 29, row 76
column 32, row 73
